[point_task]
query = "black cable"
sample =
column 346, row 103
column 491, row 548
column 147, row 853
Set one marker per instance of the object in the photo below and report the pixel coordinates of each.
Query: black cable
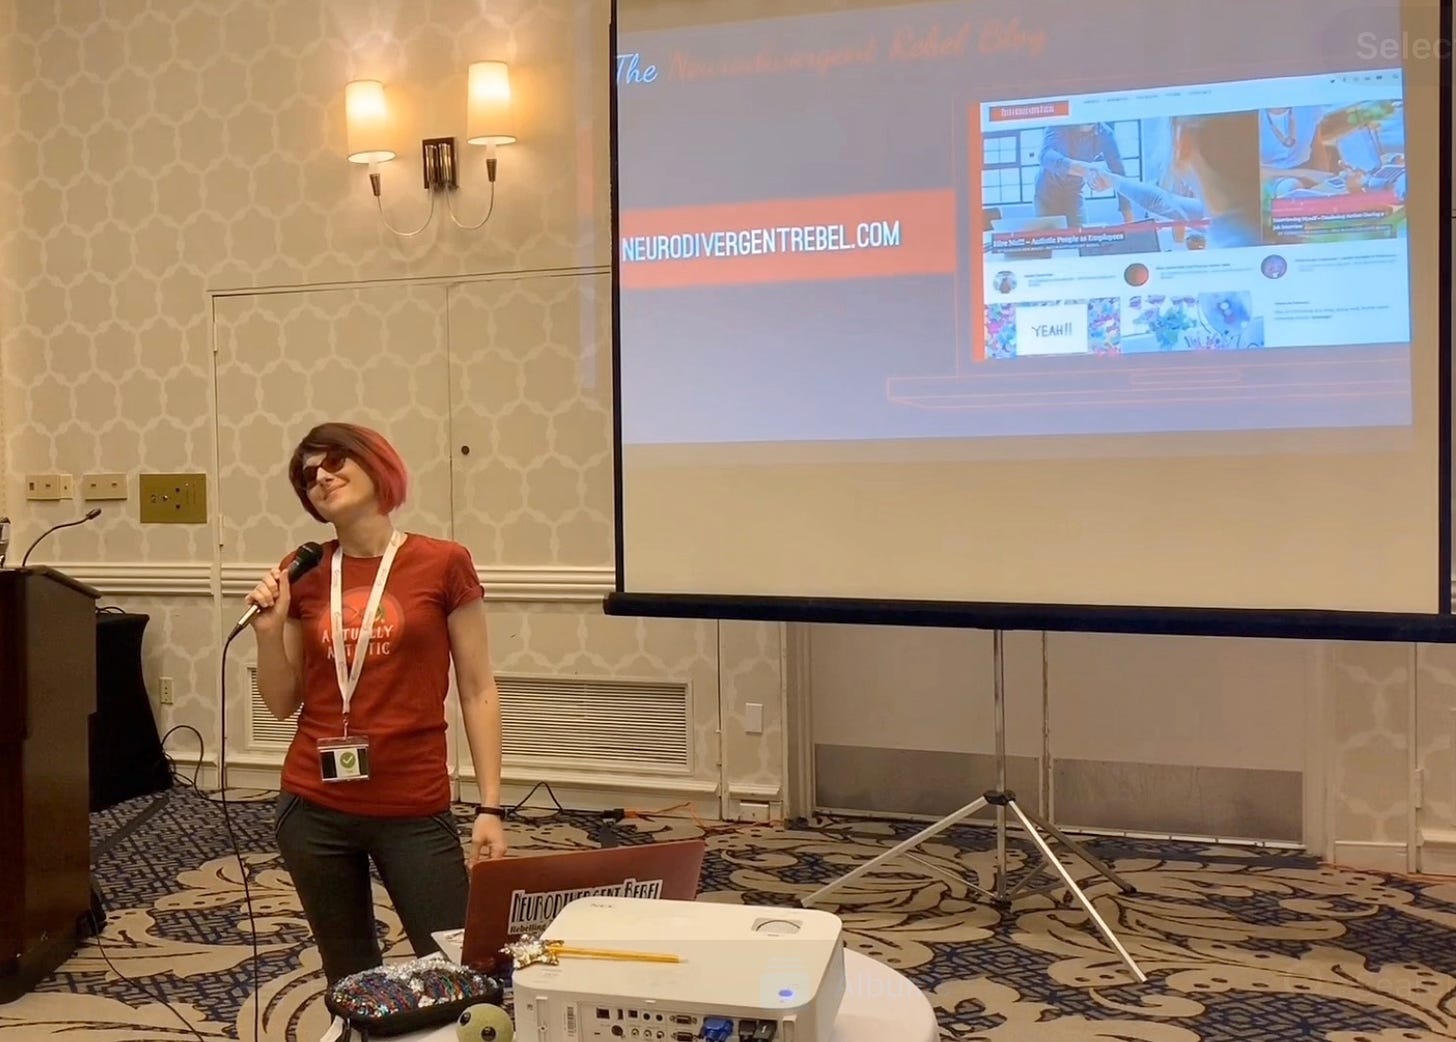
column 159, row 995
column 237, row 852
column 511, row 811
column 97, row 922
column 197, row 767
column 232, row 838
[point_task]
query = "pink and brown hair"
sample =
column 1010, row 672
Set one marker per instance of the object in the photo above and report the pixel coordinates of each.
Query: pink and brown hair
column 368, row 448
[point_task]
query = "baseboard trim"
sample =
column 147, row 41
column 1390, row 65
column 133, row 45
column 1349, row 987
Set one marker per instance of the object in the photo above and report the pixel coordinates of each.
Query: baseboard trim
column 1438, row 852
column 645, row 794
column 1147, row 798
column 658, row 802
column 575, row 791
column 1377, row 857
column 754, row 801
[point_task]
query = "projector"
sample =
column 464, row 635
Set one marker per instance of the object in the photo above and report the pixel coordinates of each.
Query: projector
column 743, row 974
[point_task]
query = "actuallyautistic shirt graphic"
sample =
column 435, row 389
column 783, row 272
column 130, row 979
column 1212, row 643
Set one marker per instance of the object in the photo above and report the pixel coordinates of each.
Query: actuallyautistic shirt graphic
column 388, row 631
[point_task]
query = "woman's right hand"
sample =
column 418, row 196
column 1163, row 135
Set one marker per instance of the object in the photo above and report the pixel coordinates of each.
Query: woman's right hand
column 271, row 597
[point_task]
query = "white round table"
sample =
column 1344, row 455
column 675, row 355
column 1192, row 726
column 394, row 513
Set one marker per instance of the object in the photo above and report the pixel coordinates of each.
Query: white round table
column 879, row 1003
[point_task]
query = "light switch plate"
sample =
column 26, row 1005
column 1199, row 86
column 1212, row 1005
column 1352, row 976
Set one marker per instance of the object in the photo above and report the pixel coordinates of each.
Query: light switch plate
column 103, row 486
column 48, row 487
column 753, row 717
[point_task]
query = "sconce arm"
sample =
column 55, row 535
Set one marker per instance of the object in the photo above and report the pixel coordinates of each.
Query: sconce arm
column 490, row 209
column 379, row 202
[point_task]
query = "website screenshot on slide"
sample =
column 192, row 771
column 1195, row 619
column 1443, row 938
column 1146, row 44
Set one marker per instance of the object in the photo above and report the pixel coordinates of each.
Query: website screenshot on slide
column 973, row 219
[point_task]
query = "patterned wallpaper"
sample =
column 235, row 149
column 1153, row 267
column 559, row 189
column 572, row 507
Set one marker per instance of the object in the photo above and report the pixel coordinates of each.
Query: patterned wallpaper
column 1368, row 707
column 285, row 361
column 197, row 275
column 532, row 379
column 10, row 231
column 191, row 147
column 1434, row 696
column 175, row 177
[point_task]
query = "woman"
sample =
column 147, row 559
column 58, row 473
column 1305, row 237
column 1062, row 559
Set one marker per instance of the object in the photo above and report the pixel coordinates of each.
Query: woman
column 366, row 777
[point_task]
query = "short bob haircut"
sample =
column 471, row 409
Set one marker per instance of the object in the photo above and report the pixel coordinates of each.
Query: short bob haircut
column 368, row 448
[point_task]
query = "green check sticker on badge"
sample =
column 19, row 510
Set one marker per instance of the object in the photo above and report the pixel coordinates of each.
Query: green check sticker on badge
column 344, row 759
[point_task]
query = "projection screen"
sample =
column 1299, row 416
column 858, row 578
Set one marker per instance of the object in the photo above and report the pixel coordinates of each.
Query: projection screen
column 1034, row 309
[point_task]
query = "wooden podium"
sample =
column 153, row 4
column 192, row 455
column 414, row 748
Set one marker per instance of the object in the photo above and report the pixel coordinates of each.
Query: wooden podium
column 47, row 694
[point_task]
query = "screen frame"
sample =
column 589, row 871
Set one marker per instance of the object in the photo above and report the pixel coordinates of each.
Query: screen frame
column 1434, row 627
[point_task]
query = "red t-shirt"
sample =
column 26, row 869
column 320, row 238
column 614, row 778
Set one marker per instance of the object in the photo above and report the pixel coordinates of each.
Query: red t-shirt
column 400, row 700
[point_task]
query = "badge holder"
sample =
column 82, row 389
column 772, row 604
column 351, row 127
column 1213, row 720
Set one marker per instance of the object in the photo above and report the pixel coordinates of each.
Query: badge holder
column 344, row 759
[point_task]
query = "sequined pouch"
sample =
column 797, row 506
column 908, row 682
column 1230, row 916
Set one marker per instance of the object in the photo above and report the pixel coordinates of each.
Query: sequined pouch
column 412, row 995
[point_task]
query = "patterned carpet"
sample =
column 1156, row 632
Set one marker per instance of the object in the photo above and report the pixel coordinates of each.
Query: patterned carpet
column 1238, row 944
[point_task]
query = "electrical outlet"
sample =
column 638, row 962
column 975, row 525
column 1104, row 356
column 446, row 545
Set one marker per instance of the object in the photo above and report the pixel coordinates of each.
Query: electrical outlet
column 164, row 691
column 48, row 487
column 103, row 486
column 749, row 810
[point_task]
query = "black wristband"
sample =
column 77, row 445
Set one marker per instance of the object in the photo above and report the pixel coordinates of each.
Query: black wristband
column 499, row 812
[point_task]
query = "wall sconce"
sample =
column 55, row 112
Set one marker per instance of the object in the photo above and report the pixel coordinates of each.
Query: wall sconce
column 488, row 124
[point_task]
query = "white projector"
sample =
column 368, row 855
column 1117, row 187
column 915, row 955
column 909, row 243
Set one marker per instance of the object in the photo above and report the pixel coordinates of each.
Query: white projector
column 745, row 974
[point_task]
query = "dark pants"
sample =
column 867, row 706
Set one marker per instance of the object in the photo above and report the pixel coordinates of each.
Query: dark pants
column 420, row 861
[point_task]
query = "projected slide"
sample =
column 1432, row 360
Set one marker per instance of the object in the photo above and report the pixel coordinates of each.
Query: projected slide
column 973, row 220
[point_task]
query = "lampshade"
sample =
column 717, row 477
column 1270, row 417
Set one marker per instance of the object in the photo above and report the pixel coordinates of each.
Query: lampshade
column 488, row 107
column 367, row 116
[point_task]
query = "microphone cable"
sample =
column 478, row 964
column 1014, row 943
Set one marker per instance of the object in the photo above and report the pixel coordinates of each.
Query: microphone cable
column 96, row 921
column 233, row 839
column 160, row 995
column 306, row 557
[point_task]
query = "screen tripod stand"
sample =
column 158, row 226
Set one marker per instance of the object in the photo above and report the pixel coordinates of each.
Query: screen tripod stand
column 1032, row 824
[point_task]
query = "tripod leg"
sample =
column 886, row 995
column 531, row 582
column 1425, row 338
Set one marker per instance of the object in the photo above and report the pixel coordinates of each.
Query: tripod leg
column 1076, row 891
column 1027, row 880
column 950, row 877
column 897, row 850
column 1098, row 866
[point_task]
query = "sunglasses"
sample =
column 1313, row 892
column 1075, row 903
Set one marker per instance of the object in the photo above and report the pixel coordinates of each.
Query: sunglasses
column 332, row 462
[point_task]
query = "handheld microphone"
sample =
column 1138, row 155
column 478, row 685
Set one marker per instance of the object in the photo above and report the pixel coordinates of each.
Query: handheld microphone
column 91, row 515
column 305, row 559
column 4, row 539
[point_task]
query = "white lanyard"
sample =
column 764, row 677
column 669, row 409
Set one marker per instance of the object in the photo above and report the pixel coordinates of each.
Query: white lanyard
column 349, row 676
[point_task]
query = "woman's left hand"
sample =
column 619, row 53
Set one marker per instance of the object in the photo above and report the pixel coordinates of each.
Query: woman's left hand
column 487, row 839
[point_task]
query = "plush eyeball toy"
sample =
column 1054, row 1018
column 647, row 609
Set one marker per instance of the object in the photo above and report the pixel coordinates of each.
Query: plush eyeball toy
column 484, row 1023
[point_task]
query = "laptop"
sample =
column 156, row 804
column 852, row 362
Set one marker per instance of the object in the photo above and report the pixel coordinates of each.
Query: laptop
column 519, row 895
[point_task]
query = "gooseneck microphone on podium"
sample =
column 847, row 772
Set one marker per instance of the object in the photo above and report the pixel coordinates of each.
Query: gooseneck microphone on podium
column 306, row 557
column 91, row 515
column 4, row 539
